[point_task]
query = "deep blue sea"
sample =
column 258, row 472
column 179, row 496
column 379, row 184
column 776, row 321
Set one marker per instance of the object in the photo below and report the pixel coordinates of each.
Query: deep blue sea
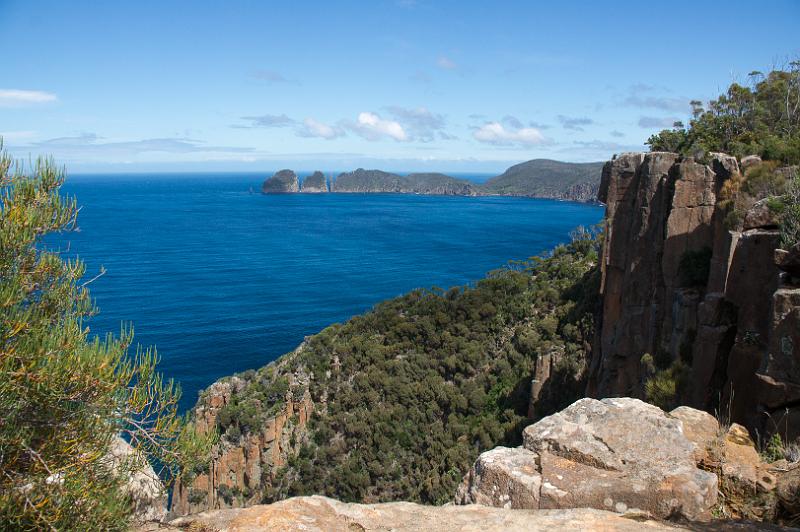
column 221, row 279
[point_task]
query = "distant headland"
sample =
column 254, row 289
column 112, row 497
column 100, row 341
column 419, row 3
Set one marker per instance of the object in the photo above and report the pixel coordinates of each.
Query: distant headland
column 539, row 178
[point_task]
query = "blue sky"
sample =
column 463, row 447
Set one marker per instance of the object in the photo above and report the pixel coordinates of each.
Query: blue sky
column 404, row 85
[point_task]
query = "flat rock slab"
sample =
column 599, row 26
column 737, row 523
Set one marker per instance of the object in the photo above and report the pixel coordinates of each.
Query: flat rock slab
column 313, row 514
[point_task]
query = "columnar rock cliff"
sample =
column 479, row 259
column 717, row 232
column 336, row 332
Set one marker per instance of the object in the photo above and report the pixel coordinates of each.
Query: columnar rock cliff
column 234, row 475
column 737, row 330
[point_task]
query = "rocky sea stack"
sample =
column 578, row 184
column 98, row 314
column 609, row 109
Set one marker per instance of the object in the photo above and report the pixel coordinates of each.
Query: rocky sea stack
column 280, row 182
column 316, row 182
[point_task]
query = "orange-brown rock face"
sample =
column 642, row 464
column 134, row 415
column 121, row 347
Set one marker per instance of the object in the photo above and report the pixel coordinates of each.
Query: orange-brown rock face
column 238, row 471
column 737, row 330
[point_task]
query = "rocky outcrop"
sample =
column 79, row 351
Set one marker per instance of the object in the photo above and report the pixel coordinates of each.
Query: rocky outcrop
column 237, row 470
column 539, row 178
column 789, row 261
column 615, row 454
column 281, row 182
column 141, row 483
column 318, row 514
column 315, row 183
column 732, row 324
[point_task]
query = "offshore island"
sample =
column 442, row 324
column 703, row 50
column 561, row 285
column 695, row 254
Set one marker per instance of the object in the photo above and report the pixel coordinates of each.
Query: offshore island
column 538, row 178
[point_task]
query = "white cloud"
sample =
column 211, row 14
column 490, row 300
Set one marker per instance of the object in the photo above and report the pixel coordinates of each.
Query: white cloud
column 313, row 128
column 446, row 63
column 419, row 122
column 498, row 134
column 372, row 127
column 15, row 97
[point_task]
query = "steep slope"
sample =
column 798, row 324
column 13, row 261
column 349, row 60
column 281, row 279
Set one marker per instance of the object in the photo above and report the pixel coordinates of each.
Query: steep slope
column 397, row 403
column 545, row 178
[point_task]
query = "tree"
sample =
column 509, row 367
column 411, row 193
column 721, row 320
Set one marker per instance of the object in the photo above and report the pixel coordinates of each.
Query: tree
column 65, row 396
column 763, row 119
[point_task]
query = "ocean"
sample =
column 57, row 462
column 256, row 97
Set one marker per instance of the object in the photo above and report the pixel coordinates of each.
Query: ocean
column 221, row 278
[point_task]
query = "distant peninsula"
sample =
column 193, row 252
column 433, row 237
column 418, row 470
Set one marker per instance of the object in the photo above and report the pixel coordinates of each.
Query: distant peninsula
column 539, row 178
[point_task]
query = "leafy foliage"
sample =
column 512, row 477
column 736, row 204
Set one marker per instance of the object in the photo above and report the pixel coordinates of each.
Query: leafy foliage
column 408, row 394
column 763, row 119
column 789, row 212
column 63, row 396
column 664, row 387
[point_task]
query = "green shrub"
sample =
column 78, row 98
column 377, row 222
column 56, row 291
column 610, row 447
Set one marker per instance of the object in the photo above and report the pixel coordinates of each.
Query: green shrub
column 63, row 396
column 743, row 121
column 665, row 387
column 789, row 216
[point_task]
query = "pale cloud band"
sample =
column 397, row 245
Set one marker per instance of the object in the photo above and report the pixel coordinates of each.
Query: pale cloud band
column 17, row 97
column 498, row 134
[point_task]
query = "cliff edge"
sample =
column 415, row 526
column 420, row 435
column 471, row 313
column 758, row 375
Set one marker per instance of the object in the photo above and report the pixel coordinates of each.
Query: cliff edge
column 691, row 286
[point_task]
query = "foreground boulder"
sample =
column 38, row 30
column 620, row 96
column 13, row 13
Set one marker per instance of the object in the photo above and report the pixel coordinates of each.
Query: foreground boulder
column 323, row 514
column 746, row 481
column 614, row 454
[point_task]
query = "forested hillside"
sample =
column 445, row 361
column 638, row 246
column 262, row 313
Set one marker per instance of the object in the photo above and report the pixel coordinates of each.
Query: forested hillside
column 407, row 395
column 545, row 178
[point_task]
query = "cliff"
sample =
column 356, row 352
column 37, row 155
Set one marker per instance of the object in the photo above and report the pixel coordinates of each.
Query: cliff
column 240, row 464
column 281, row 182
column 430, row 379
column 687, row 282
column 315, row 183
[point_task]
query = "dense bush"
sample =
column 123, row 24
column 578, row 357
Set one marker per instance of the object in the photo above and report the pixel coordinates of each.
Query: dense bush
column 411, row 392
column 788, row 212
column 763, row 119
column 63, row 396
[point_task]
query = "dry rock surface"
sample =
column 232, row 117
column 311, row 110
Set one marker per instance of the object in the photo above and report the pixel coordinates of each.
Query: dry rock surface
column 312, row 514
column 737, row 329
column 616, row 454
column 143, row 486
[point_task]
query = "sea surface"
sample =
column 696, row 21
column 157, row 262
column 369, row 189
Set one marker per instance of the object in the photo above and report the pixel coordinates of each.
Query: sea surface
column 222, row 279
